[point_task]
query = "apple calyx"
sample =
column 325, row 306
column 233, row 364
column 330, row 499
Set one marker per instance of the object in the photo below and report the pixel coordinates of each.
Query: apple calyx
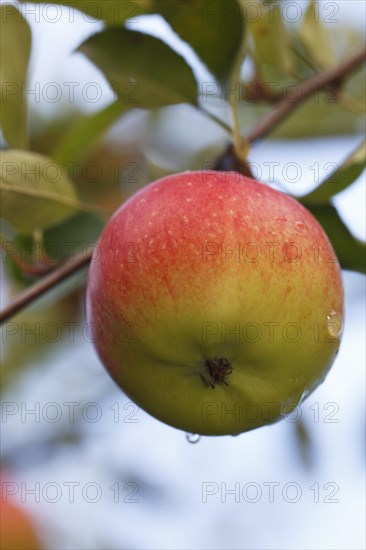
column 215, row 371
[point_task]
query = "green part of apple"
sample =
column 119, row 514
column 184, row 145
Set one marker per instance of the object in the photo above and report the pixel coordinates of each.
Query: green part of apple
column 216, row 302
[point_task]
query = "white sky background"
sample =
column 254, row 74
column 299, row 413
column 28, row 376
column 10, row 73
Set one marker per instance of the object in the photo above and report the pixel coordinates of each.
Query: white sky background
column 162, row 455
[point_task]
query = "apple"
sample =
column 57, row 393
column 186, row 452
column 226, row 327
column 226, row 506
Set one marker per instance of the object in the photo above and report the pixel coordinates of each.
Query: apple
column 17, row 530
column 215, row 302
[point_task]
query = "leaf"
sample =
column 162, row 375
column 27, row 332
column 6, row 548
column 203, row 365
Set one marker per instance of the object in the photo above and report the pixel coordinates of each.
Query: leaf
column 271, row 42
column 350, row 251
column 346, row 174
column 214, row 29
column 76, row 142
column 35, row 191
column 304, row 443
column 37, row 333
column 26, row 259
column 320, row 115
column 15, row 44
column 316, row 37
column 114, row 12
column 72, row 236
column 143, row 71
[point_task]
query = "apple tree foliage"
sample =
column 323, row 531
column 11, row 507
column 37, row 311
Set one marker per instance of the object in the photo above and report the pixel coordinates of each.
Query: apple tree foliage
column 63, row 206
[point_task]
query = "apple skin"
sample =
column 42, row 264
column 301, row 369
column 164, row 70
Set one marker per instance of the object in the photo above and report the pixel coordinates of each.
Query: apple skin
column 17, row 530
column 167, row 297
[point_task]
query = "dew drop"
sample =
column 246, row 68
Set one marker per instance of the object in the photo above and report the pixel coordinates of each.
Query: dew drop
column 334, row 324
column 192, row 438
column 300, row 225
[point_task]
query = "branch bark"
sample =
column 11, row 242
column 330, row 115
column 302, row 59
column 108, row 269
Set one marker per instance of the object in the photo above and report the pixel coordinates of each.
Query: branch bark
column 38, row 289
column 282, row 109
column 306, row 89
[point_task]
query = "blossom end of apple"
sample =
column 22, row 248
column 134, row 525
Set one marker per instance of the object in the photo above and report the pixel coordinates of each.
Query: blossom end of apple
column 215, row 371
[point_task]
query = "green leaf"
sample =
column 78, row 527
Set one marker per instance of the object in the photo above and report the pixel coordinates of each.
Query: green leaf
column 37, row 333
column 316, row 37
column 143, row 71
column 114, row 12
column 320, row 115
column 304, row 443
column 214, row 29
column 27, row 258
column 350, row 251
column 15, row 44
column 271, row 42
column 346, row 174
column 76, row 141
column 35, row 191
column 72, row 236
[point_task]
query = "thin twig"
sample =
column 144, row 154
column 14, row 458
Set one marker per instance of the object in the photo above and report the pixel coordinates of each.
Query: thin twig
column 282, row 109
column 48, row 282
column 305, row 90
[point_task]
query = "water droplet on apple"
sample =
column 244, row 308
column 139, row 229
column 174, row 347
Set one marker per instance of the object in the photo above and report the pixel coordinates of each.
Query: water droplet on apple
column 192, row 438
column 334, row 324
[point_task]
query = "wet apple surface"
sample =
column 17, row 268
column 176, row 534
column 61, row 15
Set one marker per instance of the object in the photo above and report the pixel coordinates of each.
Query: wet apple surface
column 210, row 304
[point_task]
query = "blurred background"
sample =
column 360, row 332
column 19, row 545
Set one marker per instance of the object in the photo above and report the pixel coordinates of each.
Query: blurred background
column 91, row 469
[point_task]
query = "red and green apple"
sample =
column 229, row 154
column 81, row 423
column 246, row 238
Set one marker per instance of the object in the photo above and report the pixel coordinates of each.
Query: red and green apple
column 216, row 302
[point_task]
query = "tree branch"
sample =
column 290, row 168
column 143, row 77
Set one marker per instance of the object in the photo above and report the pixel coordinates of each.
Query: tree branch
column 39, row 288
column 282, row 109
column 305, row 90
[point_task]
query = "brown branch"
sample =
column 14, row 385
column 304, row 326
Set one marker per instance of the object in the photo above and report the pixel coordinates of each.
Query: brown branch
column 306, row 90
column 283, row 108
column 39, row 288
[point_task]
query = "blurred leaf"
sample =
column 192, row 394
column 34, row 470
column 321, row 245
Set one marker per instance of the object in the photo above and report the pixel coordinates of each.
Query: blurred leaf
column 316, row 37
column 39, row 331
column 304, row 443
column 144, row 72
column 17, row 253
column 320, row 115
column 346, row 174
column 7, row 231
column 112, row 11
column 75, row 143
column 46, row 128
column 26, row 259
column 15, row 44
column 271, row 41
column 35, row 191
column 72, row 236
column 350, row 251
column 214, row 29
